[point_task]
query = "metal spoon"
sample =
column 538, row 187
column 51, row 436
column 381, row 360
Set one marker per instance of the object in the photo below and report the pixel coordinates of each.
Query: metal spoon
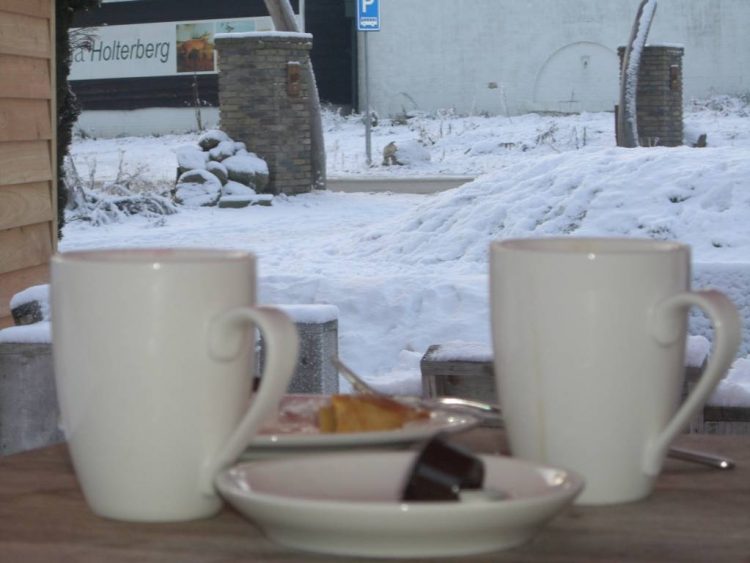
column 712, row 460
column 492, row 411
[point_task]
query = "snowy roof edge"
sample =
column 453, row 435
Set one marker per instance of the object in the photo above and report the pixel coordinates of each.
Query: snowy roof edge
column 240, row 34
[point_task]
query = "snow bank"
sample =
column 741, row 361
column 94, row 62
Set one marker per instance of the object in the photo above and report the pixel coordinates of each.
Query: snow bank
column 734, row 389
column 37, row 333
column 409, row 271
column 261, row 34
column 696, row 196
column 311, row 314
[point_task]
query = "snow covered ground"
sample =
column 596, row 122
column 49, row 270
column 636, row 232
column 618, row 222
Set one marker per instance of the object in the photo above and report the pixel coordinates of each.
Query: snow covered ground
column 407, row 271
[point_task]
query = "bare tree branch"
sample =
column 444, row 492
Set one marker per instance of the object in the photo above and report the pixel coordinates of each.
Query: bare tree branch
column 627, row 119
column 282, row 15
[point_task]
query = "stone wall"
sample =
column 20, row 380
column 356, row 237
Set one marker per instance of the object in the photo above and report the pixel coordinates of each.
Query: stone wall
column 659, row 96
column 264, row 102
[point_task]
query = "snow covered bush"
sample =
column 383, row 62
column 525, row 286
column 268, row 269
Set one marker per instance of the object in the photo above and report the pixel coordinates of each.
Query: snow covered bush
column 723, row 105
column 113, row 201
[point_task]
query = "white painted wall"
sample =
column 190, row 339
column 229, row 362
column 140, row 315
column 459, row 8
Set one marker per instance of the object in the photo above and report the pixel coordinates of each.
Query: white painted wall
column 516, row 56
column 105, row 124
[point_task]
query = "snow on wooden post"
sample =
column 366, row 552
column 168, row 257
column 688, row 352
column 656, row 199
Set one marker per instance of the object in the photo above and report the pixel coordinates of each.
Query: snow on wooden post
column 318, row 330
column 459, row 369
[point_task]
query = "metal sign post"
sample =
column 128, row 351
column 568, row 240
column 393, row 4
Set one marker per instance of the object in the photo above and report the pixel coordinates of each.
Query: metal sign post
column 368, row 19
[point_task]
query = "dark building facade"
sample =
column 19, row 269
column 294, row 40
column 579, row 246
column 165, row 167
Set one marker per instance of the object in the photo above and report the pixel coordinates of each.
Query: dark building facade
column 160, row 53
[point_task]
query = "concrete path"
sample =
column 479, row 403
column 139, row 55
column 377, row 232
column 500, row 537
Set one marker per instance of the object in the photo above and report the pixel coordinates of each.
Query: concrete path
column 409, row 185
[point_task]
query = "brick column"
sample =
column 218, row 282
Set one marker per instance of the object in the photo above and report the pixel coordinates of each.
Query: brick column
column 659, row 95
column 264, row 102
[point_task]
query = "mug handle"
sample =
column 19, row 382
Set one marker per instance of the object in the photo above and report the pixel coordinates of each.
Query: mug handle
column 667, row 320
column 227, row 336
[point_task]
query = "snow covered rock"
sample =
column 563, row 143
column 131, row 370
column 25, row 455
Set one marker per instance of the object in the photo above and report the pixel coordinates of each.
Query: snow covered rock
column 218, row 170
column 693, row 137
column 235, row 188
column 239, row 201
column 247, row 168
column 212, row 138
column 411, row 152
column 198, row 188
column 222, row 151
column 30, row 305
column 219, row 161
column 198, row 177
column 190, row 158
column 235, row 194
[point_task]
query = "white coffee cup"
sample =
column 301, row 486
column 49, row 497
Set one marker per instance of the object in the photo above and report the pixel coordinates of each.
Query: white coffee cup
column 589, row 338
column 154, row 357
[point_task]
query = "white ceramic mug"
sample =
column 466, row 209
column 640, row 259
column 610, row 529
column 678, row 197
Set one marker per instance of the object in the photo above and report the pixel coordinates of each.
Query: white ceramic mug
column 589, row 338
column 154, row 355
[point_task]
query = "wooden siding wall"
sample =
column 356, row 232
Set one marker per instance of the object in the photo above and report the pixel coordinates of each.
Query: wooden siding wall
column 28, row 198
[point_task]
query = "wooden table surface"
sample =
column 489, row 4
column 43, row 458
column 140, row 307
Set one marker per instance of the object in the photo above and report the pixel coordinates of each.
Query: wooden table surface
column 695, row 514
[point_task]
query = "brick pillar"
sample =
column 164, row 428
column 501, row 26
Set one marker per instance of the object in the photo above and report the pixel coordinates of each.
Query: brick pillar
column 264, row 102
column 659, row 95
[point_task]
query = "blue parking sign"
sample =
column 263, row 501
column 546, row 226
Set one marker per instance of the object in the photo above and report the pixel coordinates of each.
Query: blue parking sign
column 368, row 15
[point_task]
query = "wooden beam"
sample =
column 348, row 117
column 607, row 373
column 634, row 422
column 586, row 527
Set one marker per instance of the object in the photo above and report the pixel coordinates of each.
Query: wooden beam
column 27, row 126
column 25, row 204
column 31, row 77
column 38, row 8
column 24, row 247
column 25, row 120
column 25, row 161
column 15, row 282
column 27, row 36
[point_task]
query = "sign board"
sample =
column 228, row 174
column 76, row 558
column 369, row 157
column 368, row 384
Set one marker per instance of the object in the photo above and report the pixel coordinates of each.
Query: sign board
column 155, row 49
column 368, row 15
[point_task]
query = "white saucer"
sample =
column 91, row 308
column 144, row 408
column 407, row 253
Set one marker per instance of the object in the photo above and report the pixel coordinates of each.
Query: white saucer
column 348, row 504
column 295, row 428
